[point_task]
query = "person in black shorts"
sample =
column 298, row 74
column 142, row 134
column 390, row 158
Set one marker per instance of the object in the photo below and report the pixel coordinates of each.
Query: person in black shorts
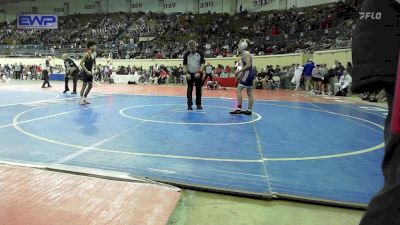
column 317, row 79
column 87, row 63
column 71, row 72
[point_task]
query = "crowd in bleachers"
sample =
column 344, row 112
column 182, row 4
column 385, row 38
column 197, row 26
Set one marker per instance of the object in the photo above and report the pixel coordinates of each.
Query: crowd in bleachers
column 272, row 32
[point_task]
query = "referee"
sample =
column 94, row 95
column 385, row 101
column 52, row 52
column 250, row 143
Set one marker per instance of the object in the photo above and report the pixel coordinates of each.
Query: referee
column 45, row 73
column 193, row 66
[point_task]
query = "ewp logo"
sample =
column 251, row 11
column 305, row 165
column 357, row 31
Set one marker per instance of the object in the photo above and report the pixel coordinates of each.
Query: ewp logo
column 36, row 21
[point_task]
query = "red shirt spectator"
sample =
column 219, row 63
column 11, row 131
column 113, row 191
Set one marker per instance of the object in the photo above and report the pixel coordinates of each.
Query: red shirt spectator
column 225, row 54
column 275, row 31
column 227, row 69
column 163, row 74
column 216, row 51
column 269, row 50
column 325, row 25
column 38, row 69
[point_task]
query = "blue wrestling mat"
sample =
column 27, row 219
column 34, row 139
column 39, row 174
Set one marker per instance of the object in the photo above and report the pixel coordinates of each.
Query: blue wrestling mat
column 321, row 152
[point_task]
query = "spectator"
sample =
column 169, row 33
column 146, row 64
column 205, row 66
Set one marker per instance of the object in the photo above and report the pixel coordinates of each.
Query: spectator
column 270, row 82
column 308, row 68
column 317, row 79
column 209, row 72
column 260, row 82
column 342, row 88
column 163, row 77
column 327, row 75
column 297, row 76
column 349, row 67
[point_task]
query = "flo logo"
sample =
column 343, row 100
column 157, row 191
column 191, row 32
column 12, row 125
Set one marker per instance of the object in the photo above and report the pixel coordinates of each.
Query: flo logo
column 370, row 15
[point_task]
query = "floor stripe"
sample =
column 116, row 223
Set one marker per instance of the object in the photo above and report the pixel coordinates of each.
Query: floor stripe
column 259, row 149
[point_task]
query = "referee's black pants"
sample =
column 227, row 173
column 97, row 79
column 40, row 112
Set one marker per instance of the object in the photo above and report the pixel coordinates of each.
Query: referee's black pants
column 46, row 78
column 74, row 77
column 194, row 82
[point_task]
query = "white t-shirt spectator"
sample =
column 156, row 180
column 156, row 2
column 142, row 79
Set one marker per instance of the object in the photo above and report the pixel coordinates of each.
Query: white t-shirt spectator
column 345, row 81
column 209, row 69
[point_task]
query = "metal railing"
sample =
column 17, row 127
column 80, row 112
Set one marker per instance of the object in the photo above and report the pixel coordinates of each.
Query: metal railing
column 309, row 35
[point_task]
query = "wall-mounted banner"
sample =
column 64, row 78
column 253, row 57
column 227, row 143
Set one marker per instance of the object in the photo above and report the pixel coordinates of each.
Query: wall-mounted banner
column 37, row 21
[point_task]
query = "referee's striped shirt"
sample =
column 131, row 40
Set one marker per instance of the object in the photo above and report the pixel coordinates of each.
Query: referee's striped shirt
column 193, row 61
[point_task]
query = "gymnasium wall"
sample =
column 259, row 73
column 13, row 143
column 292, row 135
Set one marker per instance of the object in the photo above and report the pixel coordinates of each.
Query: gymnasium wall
column 258, row 61
column 83, row 6
column 265, row 5
column 167, row 6
column 327, row 57
column 13, row 9
column 144, row 6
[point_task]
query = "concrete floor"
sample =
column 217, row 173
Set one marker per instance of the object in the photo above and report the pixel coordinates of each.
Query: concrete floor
column 30, row 196
column 201, row 208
